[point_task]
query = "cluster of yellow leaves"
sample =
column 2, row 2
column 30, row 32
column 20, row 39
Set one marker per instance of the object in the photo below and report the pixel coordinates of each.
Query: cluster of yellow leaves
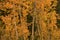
column 8, row 5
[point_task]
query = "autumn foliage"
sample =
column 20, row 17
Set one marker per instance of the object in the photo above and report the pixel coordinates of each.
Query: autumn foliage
column 29, row 20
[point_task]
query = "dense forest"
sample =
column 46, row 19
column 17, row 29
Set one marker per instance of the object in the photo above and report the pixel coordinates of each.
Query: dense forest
column 29, row 19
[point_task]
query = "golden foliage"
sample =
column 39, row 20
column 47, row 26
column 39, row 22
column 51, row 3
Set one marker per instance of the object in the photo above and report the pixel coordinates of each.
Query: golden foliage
column 41, row 16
